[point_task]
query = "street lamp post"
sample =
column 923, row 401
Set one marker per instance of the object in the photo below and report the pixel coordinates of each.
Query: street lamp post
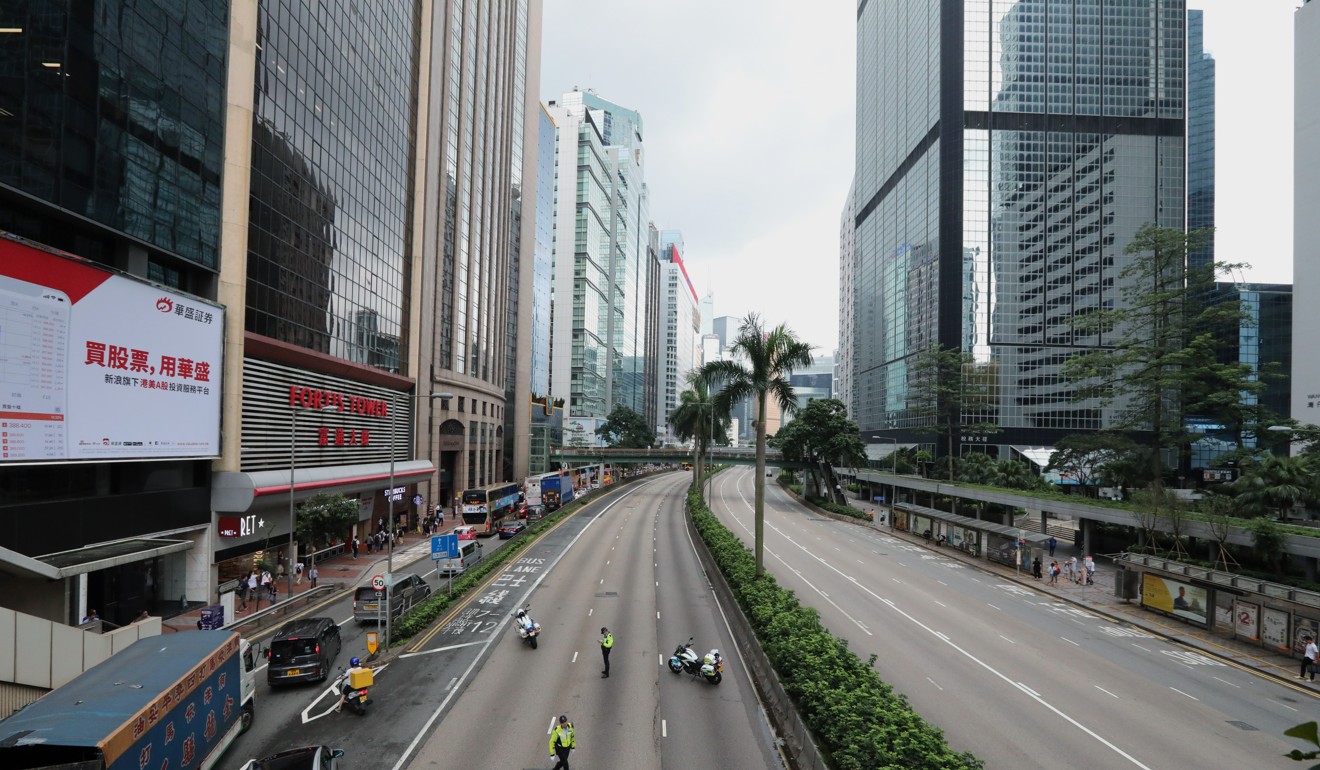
column 389, row 502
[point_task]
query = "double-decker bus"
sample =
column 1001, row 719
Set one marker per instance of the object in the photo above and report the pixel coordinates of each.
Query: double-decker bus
column 487, row 507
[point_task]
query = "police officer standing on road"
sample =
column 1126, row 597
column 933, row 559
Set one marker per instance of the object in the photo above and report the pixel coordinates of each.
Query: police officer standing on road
column 563, row 739
column 606, row 644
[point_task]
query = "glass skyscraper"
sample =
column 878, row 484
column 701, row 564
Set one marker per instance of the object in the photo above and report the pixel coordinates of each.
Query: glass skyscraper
column 1007, row 151
column 1200, row 137
column 602, row 272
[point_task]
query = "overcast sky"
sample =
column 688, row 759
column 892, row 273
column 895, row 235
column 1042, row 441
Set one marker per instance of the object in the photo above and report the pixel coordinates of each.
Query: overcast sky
column 748, row 110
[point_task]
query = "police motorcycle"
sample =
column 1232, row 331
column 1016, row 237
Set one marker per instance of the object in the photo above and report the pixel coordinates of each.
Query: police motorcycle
column 710, row 668
column 355, row 697
column 528, row 629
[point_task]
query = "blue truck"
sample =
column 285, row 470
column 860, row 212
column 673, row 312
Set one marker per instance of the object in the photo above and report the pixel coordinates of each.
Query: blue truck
column 556, row 492
column 171, row 702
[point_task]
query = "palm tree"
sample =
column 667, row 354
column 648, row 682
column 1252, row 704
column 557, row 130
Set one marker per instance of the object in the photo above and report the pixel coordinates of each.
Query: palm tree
column 770, row 358
column 1275, row 484
column 697, row 418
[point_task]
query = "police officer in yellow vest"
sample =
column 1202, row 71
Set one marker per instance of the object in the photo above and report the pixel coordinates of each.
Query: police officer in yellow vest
column 606, row 644
column 563, row 739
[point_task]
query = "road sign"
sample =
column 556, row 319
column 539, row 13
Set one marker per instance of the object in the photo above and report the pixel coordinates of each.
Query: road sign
column 879, row 498
column 372, row 642
column 378, row 582
column 444, row 547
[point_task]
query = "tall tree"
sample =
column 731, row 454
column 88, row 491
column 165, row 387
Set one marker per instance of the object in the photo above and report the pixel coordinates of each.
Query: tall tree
column 626, row 429
column 696, row 418
column 1153, row 352
column 822, row 436
column 770, row 358
column 950, row 396
column 324, row 516
column 1273, row 484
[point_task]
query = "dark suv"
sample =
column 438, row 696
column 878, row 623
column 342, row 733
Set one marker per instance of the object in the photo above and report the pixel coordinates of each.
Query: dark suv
column 303, row 651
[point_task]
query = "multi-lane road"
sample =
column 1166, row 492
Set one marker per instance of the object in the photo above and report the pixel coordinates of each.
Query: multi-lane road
column 1008, row 672
column 471, row 694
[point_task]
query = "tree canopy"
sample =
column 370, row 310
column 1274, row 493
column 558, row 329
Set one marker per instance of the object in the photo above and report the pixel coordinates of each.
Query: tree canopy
column 626, row 429
column 324, row 517
column 951, row 396
column 822, row 435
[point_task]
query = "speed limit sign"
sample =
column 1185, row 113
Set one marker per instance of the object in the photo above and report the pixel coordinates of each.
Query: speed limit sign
column 378, row 582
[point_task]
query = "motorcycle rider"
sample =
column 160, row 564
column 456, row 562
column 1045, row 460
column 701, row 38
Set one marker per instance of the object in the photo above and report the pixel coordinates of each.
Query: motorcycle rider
column 354, row 664
column 525, row 620
column 563, row 739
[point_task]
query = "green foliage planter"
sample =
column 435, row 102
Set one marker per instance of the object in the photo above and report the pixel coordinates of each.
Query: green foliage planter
column 858, row 721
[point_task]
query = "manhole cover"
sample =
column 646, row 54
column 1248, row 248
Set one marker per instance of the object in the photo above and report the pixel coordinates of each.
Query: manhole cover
column 607, row 594
column 1240, row 725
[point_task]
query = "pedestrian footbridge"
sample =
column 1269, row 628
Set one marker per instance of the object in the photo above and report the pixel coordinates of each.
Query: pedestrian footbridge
column 719, row 455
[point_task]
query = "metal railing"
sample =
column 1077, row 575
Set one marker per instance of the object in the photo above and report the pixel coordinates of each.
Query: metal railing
column 280, row 611
column 1241, row 582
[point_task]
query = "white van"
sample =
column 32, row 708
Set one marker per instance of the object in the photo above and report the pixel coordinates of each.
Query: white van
column 469, row 553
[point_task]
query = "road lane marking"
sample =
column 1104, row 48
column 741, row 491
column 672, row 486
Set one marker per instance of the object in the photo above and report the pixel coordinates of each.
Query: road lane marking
column 1180, row 692
column 1106, row 692
column 440, row 649
column 1230, row 684
column 664, row 729
column 1005, row 638
column 1069, row 641
column 575, row 654
column 942, row 604
column 991, row 606
column 937, row 687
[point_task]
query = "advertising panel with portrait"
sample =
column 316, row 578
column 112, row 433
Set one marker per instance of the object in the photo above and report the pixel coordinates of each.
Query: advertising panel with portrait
column 1181, row 599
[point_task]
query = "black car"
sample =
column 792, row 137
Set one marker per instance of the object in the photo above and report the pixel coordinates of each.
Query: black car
column 305, row 758
column 303, row 651
column 511, row 528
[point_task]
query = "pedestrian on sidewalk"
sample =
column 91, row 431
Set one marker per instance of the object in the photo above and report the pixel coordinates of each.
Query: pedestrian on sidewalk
column 606, row 644
column 298, row 573
column 312, row 575
column 356, row 545
column 563, row 740
column 1089, row 565
column 1035, row 567
column 1053, row 544
column 1073, row 574
column 1308, row 658
column 1054, row 573
column 253, row 583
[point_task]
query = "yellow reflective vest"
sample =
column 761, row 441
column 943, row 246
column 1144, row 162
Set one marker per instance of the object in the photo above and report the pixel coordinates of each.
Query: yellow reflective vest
column 608, row 641
column 564, row 736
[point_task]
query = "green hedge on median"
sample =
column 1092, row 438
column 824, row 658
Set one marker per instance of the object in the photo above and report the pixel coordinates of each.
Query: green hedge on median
column 859, row 722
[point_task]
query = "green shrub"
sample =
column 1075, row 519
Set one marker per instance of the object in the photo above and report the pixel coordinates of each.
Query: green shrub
column 858, row 720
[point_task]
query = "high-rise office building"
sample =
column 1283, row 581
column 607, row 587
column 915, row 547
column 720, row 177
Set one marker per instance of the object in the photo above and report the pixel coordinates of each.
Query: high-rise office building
column 680, row 325
column 1306, row 201
column 1200, row 137
column 536, row 403
column 847, row 304
column 602, row 272
column 329, row 197
column 1007, row 151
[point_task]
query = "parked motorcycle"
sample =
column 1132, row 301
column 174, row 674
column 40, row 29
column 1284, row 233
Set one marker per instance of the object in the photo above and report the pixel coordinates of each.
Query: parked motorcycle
column 528, row 629
column 355, row 698
column 684, row 660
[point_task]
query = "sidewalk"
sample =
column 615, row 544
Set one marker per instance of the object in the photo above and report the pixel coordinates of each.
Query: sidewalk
column 341, row 570
column 1100, row 599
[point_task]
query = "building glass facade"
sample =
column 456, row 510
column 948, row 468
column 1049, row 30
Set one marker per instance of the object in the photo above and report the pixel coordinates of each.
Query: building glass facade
column 542, row 262
column 329, row 241
column 1007, row 151
column 114, row 113
column 1200, row 137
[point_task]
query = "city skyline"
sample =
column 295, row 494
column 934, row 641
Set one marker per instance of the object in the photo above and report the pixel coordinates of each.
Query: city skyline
column 709, row 145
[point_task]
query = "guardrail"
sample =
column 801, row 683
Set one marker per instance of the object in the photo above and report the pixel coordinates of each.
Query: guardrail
column 279, row 612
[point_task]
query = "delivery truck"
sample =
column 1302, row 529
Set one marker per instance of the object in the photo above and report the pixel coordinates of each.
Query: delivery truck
column 175, row 702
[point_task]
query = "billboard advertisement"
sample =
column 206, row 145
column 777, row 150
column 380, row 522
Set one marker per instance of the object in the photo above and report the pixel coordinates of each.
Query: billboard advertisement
column 98, row 366
column 1181, row 599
